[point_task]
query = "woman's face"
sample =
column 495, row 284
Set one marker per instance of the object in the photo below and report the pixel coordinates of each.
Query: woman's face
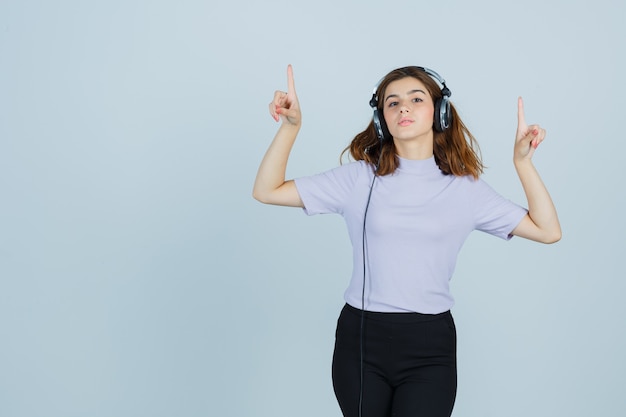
column 408, row 110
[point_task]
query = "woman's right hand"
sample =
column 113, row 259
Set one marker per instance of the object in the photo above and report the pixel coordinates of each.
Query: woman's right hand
column 285, row 105
column 270, row 186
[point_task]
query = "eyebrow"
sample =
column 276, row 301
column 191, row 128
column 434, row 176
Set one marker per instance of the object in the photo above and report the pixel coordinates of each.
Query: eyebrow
column 408, row 93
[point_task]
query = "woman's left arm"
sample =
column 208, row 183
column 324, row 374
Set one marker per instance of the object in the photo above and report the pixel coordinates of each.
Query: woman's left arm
column 541, row 224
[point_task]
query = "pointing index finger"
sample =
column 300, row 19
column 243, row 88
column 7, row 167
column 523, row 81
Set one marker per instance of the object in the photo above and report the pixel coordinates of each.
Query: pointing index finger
column 291, row 86
column 521, row 121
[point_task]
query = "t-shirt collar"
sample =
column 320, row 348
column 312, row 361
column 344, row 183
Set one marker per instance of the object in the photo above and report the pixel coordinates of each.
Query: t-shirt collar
column 418, row 166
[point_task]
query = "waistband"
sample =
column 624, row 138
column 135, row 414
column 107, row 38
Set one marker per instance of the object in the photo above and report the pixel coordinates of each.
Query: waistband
column 408, row 317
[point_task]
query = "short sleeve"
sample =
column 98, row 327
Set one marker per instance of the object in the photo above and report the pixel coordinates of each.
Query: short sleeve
column 495, row 214
column 329, row 191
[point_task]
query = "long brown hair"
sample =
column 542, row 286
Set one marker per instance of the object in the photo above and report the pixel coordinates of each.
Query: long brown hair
column 456, row 150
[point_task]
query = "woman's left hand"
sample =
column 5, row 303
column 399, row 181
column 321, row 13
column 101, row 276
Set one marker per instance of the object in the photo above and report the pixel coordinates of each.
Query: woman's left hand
column 541, row 223
column 527, row 137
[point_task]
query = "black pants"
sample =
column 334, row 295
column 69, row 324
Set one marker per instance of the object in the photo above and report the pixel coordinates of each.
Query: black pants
column 409, row 364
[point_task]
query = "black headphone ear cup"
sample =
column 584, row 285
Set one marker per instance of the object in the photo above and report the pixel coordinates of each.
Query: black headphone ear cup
column 381, row 127
column 442, row 114
column 437, row 122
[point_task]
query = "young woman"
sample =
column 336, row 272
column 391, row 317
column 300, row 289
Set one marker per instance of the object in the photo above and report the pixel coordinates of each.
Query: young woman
column 409, row 200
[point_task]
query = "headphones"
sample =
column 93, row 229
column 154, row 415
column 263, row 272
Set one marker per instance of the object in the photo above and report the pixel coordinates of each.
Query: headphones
column 442, row 118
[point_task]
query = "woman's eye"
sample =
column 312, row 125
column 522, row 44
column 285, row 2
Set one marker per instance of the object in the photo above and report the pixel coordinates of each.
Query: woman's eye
column 417, row 100
column 393, row 104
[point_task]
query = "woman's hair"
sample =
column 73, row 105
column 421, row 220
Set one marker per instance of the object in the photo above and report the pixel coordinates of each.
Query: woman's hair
column 456, row 150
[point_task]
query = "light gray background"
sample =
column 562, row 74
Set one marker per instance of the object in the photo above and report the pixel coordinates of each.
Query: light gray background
column 139, row 278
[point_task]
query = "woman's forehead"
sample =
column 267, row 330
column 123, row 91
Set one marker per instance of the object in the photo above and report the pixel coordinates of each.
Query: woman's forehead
column 405, row 85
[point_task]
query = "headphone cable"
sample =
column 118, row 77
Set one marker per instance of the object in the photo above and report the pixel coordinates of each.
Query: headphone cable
column 363, row 248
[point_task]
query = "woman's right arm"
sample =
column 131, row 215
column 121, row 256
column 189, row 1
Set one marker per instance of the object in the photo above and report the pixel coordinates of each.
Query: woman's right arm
column 270, row 186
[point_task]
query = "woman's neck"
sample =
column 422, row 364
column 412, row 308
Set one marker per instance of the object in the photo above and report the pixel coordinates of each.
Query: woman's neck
column 414, row 149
